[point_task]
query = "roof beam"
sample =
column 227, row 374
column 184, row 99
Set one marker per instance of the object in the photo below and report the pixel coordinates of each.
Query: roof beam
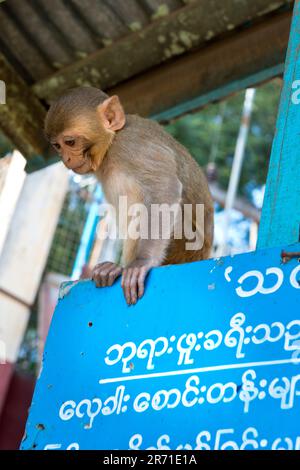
column 21, row 117
column 163, row 39
column 245, row 59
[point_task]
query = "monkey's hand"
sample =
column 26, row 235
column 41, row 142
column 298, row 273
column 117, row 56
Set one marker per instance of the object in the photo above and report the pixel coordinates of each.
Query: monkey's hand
column 133, row 279
column 105, row 274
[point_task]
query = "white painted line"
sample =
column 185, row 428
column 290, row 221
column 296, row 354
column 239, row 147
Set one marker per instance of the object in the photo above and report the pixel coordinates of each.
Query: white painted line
column 199, row 370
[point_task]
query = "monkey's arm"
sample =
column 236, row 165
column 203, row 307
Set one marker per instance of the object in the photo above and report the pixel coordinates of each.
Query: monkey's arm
column 148, row 254
column 107, row 269
column 104, row 274
column 149, row 179
column 145, row 252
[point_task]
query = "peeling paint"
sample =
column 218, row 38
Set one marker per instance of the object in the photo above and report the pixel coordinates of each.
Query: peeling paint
column 40, row 427
column 188, row 38
column 107, row 42
column 55, row 82
column 105, row 73
column 210, row 34
column 135, row 26
column 179, row 42
column 65, row 288
column 57, row 65
column 161, row 39
column 174, row 49
column 162, row 10
column 81, row 54
column 271, row 7
column 83, row 82
column 95, row 73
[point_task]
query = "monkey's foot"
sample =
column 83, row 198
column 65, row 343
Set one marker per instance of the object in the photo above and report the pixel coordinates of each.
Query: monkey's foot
column 133, row 280
column 105, row 274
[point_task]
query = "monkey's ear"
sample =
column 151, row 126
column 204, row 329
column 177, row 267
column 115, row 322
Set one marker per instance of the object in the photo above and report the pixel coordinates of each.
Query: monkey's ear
column 112, row 113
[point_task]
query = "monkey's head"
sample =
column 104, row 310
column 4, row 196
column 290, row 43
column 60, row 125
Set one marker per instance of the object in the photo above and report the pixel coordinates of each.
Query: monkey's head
column 81, row 125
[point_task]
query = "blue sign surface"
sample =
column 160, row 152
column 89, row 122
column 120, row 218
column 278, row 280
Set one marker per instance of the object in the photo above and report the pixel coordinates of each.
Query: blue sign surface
column 207, row 359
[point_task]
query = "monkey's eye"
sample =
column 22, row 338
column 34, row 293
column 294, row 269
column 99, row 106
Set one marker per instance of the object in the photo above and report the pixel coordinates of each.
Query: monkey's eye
column 70, row 142
column 56, row 146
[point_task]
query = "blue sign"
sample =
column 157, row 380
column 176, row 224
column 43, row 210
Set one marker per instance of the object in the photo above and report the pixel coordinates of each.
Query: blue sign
column 207, row 359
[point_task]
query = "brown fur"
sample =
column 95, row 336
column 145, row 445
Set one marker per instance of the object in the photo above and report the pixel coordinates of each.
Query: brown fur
column 77, row 101
column 139, row 160
column 154, row 164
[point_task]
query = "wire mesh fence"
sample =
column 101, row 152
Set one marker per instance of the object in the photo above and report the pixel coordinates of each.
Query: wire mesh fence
column 70, row 226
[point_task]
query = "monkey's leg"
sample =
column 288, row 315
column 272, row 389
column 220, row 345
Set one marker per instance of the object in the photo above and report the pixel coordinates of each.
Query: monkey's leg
column 105, row 274
column 140, row 254
column 133, row 280
column 149, row 254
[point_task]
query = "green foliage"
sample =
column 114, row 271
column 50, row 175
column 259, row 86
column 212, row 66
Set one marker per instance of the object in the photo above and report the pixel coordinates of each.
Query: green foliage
column 199, row 133
column 5, row 146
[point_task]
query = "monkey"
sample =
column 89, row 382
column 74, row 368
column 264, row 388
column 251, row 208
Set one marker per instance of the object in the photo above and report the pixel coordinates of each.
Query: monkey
column 134, row 157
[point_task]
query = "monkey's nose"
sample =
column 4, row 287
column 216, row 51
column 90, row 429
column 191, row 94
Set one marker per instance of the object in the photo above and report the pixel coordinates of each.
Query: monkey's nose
column 66, row 160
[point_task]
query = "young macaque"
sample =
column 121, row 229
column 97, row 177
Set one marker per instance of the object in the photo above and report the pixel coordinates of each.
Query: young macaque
column 133, row 157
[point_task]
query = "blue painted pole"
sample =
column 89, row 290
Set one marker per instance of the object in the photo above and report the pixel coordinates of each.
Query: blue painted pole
column 281, row 211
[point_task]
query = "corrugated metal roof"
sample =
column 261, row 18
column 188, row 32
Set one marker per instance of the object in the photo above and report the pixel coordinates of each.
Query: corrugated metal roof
column 47, row 46
column 40, row 37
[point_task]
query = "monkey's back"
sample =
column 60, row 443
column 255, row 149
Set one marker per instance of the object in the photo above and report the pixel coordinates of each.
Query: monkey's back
column 148, row 138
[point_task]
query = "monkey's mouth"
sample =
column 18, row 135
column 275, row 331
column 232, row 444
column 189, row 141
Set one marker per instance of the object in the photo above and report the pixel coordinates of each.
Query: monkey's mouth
column 79, row 166
column 83, row 167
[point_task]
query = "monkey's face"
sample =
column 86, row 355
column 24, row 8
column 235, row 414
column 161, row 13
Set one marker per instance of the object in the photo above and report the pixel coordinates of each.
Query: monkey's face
column 75, row 151
column 82, row 135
